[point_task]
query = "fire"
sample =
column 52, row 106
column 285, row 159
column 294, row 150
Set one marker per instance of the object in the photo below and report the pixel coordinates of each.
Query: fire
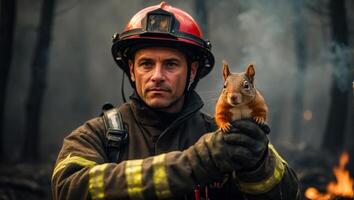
column 343, row 187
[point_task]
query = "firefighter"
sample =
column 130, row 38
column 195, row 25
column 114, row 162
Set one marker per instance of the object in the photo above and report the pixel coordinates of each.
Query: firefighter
column 159, row 145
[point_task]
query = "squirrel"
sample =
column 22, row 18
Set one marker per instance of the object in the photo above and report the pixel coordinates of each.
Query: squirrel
column 239, row 99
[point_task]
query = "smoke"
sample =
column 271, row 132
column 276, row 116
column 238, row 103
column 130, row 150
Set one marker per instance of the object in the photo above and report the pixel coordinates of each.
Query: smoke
column 254, row 32
column 83, row 75
column 341, row 56
column 262, row 33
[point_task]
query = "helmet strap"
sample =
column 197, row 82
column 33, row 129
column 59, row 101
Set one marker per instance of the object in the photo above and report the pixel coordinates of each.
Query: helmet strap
column 122, row 88
column 191, row 85
column 188, row 82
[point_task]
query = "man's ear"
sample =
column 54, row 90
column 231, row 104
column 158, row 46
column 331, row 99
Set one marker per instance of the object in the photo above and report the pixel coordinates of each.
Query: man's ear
column 131, row 70
column 194, row 69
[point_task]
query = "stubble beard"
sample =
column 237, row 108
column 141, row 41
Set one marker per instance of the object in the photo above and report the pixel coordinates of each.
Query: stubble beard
column 175, row 104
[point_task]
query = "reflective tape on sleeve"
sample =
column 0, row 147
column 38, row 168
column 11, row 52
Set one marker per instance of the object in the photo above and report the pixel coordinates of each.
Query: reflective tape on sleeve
column 72, row 160
column 96, row 181
column 268, row 183
column 162, row 188
column 271, row 147
column 134, row 178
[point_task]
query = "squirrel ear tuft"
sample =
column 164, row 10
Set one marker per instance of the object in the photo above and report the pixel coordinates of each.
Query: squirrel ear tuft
column 250, row 72
column 225, row 71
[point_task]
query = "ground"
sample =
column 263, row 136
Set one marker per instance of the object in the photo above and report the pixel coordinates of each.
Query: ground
column 25, row 181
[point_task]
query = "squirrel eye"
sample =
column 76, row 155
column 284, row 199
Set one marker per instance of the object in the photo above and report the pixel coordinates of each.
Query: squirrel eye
column 246, row 85
column 225, row 83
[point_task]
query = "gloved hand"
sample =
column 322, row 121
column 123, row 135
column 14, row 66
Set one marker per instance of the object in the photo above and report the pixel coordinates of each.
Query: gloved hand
column 250, row 145
column 217, row 153
column 210, row 157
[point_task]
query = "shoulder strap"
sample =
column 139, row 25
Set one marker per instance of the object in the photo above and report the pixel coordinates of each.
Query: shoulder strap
column 116, row 134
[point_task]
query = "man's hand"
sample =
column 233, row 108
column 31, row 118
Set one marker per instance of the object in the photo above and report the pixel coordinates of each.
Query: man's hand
column 217, row 153
column 250, row 145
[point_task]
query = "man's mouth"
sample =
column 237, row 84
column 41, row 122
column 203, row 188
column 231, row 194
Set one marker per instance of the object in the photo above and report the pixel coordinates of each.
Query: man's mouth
column 158, row 89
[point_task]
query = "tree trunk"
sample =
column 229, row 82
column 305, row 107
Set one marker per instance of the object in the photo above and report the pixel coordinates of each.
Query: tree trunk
column 341, row 84
column 38, row 82
column 202, row 15
column 7, row 25
column 301, row 59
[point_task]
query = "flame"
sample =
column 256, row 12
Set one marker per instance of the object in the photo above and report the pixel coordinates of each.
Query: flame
column 313, row 193
column 343, row 187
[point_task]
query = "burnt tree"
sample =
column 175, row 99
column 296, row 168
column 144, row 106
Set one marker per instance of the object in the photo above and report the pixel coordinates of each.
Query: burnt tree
column 301, row 62
column 7, row 25
column 341, row 84
column 201, row 11
column 38, row 82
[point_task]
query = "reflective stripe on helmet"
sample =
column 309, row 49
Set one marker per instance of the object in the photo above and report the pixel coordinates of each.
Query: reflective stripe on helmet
column 267, row 184
column 162, row 188
column 72, row 160
column 134, row 178
column 96, row 186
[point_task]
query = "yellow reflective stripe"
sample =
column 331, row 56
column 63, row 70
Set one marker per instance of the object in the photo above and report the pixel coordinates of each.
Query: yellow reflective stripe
column 96, row 175
column 134, row 178
column 162, row 188
column 268, row 183
column 271, row 147
column 72, row 160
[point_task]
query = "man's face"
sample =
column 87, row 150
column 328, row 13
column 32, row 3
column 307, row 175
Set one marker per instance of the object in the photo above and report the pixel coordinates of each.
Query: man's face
column 160, row 76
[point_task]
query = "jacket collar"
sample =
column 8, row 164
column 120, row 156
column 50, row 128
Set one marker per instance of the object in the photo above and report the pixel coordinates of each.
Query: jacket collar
column 148, row 116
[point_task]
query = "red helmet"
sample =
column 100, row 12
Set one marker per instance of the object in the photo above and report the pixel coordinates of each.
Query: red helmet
column 163, row 25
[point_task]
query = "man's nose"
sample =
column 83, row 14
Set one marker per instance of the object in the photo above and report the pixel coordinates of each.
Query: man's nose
column 157, row 73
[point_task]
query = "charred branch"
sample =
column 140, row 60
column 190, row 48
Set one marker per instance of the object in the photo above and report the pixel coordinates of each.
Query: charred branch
column 7, row 25
column 38, row 82
column 341, row 83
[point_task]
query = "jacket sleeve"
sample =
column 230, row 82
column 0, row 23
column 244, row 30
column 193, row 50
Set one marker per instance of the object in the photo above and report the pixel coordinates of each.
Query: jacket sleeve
column 82, row 171
column 273, row 179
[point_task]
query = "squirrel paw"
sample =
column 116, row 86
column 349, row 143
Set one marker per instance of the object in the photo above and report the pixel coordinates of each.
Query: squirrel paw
column 226, row 127
column 259, row 120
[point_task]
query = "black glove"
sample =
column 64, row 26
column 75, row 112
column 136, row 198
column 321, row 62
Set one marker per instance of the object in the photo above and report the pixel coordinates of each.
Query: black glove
column 217, row 153
column 213, row 153
column 250, row 145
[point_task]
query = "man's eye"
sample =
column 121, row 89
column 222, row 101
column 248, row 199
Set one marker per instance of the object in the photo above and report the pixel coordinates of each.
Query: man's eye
column 146, row 64
column 171, row 65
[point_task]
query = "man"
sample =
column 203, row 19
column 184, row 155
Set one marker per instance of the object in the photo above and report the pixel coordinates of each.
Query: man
column 159, row 145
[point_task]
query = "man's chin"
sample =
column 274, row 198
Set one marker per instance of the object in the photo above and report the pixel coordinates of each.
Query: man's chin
column 158, row 104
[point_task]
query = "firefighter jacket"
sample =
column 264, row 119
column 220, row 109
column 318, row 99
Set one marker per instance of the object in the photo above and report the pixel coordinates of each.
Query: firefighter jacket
column 153, row 165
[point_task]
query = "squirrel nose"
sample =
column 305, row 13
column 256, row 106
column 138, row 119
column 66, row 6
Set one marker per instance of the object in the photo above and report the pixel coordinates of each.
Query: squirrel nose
column 234, row 98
